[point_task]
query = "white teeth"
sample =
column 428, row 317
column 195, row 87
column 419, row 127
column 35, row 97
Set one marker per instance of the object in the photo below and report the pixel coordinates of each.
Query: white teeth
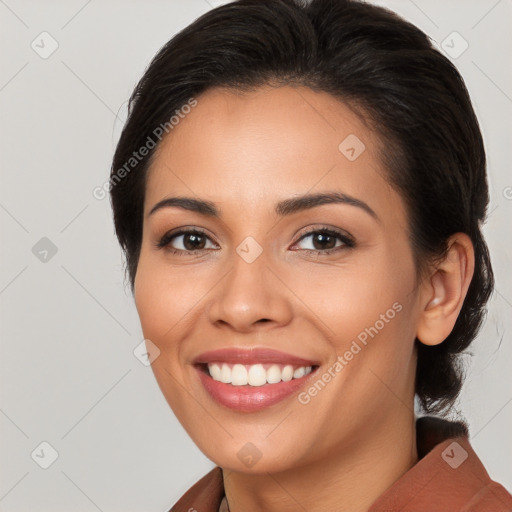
column 287, row 373
column 299, row 372
column 238, row 375
column 225, row 374
column 255, row 374
column 273, row 374
column 215, row 371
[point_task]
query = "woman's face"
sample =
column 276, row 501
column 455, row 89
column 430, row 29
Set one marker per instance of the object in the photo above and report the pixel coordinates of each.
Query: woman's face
column 263, row 273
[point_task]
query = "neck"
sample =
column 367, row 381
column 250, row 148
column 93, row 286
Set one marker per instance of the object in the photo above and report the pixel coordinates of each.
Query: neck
column 346, row 480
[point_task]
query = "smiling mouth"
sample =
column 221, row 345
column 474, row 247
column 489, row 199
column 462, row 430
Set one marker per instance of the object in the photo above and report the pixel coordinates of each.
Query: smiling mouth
column 254, row 375
column 242, row 396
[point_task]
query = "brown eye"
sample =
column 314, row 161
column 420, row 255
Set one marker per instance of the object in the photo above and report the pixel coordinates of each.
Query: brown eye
column 325, row 240
column 193, row 241
column 184, row 242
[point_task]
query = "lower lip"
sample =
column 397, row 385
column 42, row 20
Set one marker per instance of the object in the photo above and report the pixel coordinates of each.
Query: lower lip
column 250, row 398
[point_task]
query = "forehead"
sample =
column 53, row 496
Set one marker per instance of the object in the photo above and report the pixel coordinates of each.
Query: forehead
column 258, row 147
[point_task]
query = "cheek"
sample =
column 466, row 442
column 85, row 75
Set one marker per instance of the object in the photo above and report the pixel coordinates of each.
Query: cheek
column 162, row 303
column 353, row 298
column 373, row 315
column 155, row 300
column 167, row 298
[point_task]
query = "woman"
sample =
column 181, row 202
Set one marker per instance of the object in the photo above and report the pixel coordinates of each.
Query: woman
column 299, row 191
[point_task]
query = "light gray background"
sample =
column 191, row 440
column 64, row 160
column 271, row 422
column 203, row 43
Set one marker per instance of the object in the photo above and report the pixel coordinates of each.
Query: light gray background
column 69, row 327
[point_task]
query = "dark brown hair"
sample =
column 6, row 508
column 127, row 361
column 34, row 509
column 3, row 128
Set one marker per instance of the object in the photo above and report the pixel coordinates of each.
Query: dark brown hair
column 380, row 65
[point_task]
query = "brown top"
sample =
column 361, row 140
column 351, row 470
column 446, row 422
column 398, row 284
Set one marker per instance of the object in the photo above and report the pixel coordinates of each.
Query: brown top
column 448, row 477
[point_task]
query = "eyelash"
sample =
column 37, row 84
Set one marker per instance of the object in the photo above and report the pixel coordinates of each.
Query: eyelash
column 348, row 241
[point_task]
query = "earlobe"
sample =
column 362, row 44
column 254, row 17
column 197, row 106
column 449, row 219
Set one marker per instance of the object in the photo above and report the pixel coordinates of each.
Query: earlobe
column 443, row 294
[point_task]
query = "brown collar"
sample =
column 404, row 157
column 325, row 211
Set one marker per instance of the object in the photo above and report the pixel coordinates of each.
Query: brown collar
column 448, row 477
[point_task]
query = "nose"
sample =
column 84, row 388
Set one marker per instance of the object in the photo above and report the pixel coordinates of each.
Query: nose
column 250, row 297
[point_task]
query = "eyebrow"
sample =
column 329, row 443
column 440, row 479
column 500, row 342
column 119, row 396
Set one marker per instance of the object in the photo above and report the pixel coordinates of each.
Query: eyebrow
column 282, row 208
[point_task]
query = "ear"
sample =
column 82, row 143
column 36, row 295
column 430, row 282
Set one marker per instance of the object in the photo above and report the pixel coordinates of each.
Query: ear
column 443, row 294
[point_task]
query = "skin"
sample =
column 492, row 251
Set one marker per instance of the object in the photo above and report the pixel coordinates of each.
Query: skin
column 245, row 152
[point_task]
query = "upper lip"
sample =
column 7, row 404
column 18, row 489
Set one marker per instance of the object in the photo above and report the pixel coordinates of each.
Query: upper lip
column 251, row 356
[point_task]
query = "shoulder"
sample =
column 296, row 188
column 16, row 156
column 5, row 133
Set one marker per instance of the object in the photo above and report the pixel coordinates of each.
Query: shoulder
column 204, row 496
column 449, row 476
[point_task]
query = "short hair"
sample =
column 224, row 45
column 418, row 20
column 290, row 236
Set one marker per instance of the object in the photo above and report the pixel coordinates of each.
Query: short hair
column 382, row 67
